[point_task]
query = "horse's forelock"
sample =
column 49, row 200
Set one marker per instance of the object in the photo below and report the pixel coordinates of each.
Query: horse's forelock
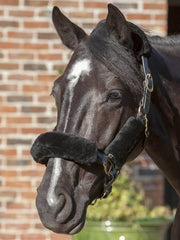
column 117, row 58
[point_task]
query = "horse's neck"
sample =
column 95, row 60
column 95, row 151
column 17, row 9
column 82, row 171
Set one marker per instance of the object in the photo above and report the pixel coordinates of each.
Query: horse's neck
column 164, row 66
column 165, row 99
column 163, row 144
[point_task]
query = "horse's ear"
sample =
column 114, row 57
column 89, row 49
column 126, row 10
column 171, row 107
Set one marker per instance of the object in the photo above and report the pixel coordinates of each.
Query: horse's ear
column 141, row 45
column 70, row 34
column 126, row 33
column 117, row 26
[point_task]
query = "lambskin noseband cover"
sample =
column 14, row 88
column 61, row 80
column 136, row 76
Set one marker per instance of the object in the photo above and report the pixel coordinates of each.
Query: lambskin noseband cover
column 63, row 145
column 83, row 151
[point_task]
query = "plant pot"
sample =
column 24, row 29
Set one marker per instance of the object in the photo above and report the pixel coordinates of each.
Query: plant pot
column 149, row 229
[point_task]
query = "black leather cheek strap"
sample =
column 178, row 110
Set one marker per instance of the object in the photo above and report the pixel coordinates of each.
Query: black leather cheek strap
column 125, row 141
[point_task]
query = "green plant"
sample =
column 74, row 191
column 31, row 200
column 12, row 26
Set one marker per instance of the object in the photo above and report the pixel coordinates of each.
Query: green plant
column 126, row 202
column 61, row 70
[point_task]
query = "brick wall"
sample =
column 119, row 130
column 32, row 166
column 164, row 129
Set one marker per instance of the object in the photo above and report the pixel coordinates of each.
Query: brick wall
column 30, row 56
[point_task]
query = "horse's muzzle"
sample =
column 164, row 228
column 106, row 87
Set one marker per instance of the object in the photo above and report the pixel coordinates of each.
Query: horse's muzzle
column 58, row 209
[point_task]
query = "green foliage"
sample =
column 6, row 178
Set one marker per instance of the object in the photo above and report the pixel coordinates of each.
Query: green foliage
column 61, row 70
column 126, row 202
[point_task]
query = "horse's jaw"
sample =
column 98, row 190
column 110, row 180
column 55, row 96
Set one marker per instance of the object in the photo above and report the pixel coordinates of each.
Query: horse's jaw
column 61, row 206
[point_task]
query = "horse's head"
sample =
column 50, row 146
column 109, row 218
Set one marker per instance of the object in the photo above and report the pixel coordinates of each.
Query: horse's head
column 99, row 90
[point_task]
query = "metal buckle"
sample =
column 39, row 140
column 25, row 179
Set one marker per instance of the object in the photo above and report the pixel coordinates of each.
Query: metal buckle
column 146, row 126
column 108, row 165
column 149, row 82
column 148, row 77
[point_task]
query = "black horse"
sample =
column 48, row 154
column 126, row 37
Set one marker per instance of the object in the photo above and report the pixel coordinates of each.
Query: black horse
column 107, row 113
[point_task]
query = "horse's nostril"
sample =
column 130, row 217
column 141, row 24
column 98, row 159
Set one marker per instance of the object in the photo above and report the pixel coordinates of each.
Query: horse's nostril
column 65, row 211
column 57, row 201
column 61, row 201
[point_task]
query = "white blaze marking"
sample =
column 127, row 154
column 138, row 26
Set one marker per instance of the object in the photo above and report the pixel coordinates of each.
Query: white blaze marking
column 51, row 196
column 81, row 67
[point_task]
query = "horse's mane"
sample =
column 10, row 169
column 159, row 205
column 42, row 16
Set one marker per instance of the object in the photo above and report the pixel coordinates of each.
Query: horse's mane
column 173, row 40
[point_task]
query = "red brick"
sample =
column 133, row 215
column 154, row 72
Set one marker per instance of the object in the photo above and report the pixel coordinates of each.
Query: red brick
column 33, row 236
column 9, row 2
column 17, row 226
column 35, row 67
column 7, row 130
column 4, row 23
column 7, row 109
column 45, row 120
column 95, row 5
column 35, row 88
column 24, row 35
column 5, row 215
column 9, row 88
column 101, row 16
column 7, row 236
column 46, row 78
column 8, row 45
column 45, row 99
column 45, row 13
column 19, row 98
column 27, row 154
column 34, row 24
column 59, row 46
column 65, row 4
column 35, row 46
column 20, row 77
column 48, row 36
column 16, row 162
column 39, row 226
column 33, row 109
column 33, row 130
column 18, row 120
column 17, row 184
column 139, row 16
column 1, row 13
column 51, row 56
column 7, row 194
column 35, row 3
column 8, row 174
column 29, row 195
column 21, row 13
column 8, row 152
column 18, row 141
column 32, row 173
column 79, row 14
column 89, row 25
column 159, row 27
column 9, row 66
column 161, row 17
column 154, row 6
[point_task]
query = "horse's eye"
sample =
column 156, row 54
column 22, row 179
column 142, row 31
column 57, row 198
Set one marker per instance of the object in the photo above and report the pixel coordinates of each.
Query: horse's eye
column 114, row 95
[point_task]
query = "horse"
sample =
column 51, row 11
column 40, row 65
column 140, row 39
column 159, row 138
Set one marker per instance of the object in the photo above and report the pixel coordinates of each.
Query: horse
column 118, row 95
